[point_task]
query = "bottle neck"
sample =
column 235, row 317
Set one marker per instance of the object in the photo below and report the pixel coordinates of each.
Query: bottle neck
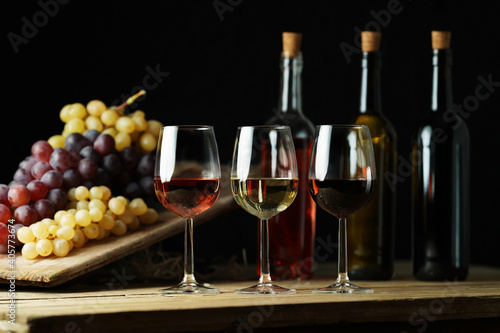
column 290, row 100
column 370, row 97
column 442, row 94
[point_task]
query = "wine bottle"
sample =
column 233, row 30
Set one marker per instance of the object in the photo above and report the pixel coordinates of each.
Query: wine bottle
column 371, row 230
column 292, row 232
column 441, row 179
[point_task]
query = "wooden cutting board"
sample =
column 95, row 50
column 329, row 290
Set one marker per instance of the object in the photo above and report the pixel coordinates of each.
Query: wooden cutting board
column 52, row 270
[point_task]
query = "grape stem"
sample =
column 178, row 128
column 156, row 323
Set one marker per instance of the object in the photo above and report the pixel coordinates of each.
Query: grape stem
column 130, row 100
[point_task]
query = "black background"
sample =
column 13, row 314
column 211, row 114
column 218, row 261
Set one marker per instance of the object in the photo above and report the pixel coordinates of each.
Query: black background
column 223, row 70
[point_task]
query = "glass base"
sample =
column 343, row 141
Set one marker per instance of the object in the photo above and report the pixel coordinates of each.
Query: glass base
column 189, row 288
column 343, row 288
column 265, row 289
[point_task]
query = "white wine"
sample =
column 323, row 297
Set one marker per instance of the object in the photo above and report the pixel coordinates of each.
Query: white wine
column 264, row 197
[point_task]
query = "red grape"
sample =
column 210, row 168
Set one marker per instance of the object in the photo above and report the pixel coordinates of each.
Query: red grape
column 4, row 214
column 4, row 190
column 62, row 159
column 87, row 168
column 44, row 208
column 41, row 150
column 76, row 141
column 58, row 197
column 92, row 153
column 4, row 233
column 27, row 163
column 58, row 160
column 104, row 144
column 38, row 189
column 91, row 134
column 19, row 195
column 130, row 157
column 146, row 166
column 26, row 215
column 23, row 176
column 39, row 169
column 53, row 179
column 71, row 178
column 112, row 164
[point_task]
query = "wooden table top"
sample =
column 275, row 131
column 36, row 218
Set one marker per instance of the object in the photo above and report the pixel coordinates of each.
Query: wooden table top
column 121, row 305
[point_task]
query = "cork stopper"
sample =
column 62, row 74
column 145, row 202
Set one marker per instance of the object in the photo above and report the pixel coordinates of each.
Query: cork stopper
column 370, row 41
column 441, row 39
column 291, row 44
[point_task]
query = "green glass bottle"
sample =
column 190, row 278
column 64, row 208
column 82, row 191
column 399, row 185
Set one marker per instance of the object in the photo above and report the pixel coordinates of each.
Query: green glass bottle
column 371, row 230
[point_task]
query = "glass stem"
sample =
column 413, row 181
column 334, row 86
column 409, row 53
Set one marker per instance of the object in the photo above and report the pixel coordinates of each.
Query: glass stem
column 342, row 276
column 265, row 275
column 188, row 253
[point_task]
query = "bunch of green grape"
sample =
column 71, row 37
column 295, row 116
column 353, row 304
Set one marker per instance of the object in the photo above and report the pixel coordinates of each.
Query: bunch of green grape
column 90, row 214
column 127, row 129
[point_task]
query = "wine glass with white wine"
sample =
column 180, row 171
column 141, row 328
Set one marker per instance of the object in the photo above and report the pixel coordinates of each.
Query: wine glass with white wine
column 264, row 181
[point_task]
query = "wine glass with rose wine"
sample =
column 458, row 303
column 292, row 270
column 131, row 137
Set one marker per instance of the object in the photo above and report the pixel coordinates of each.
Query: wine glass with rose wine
column 187, row 182
column 342, row 181
column 264, row 181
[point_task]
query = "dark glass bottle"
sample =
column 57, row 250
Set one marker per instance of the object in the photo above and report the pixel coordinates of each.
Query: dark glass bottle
column 371, row 231
column 292, row 232
column 441, row 180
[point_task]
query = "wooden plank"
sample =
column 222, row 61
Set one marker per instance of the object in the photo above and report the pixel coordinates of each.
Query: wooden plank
column 52, row 271
column 410, row 303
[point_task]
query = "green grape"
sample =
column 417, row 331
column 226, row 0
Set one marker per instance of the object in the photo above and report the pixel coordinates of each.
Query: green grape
column 69, row 220
column 120, row 228
column 107, row 222
column 66, row 233
column 137, row 206
column 29, row 250
column 40, row 230
column 83, row 218
column 61, row 247
column 44, row 247
column 91, row 231
column 25, row 235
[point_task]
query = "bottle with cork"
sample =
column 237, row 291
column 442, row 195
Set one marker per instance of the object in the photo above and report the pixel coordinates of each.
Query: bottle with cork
column 371, row 231
column 292, row 232
column 441, row 179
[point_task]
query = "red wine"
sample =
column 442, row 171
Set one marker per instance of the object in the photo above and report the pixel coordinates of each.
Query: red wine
column 187, row 197
column 441, row 180
column 341, row 197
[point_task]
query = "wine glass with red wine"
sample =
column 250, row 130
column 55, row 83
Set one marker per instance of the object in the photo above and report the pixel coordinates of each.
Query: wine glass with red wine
column 187, row 182
column 342, row 181
column 264, row 182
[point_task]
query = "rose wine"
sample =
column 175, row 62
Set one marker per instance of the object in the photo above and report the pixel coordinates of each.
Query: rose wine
column 441, row 180
column 371, row 230
column 292, row 256
column 264, row 197
column 341, row 197
column 187, row 197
